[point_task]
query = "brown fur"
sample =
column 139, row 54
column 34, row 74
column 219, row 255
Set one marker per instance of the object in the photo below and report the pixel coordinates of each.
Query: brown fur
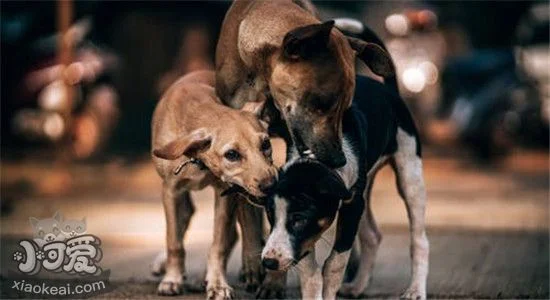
column 281, row 49
column 190, row 122
column 190, row 112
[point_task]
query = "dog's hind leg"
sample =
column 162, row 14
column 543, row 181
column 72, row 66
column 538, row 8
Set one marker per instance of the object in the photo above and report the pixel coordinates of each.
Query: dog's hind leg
column 178, row 209
column 410, row 182
column 224, row 220
column 369, row 238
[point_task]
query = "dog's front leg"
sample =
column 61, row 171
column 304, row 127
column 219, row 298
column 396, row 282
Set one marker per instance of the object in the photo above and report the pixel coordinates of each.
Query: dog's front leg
column 224, row 221
column 334, row 268
column 311, row 279
column 178, row 210
column 250, row 220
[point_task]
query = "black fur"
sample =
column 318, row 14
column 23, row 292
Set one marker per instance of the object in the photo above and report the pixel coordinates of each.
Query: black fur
column 312, row 192
column 310, row 188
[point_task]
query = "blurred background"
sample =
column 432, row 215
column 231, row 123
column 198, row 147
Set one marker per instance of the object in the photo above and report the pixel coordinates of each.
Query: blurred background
column 80, row 80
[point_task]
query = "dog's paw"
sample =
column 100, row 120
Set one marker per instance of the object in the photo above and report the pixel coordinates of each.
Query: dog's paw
column 251, row 281
column 158, row 266
column 264, row 292
column 349, row 290
column 273, row 286
column 414, row 293
column 170, row 286
column 219, row 292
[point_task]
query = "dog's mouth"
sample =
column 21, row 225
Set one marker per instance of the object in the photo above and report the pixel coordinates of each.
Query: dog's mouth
column 235, row 189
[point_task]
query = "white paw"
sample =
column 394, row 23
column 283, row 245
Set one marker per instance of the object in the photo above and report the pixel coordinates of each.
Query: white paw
column 158, row 266
column 219, row 292
column 414, row 293
column 350, row 290
column 170, row 286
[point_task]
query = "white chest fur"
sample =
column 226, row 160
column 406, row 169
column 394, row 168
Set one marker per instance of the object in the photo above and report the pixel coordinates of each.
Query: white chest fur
column 350, row 172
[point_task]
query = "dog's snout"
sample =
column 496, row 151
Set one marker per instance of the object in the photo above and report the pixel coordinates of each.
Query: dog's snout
column 338, row 160
column 333, row 159
column 267, row 185
column 270, row 263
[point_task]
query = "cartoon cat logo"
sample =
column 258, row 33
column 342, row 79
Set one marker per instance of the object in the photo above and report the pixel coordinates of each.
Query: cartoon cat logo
column 47, row 230
column 72, row 228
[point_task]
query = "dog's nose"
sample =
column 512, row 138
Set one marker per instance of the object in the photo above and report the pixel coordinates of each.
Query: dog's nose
column 270, row 263
column 267, row 185
column 339, row 161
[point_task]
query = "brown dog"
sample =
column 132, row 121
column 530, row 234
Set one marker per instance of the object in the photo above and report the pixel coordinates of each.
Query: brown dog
column 196, row 142
column 280, row 50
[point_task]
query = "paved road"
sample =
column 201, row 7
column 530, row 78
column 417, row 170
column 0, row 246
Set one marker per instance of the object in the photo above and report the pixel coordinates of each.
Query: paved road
column 488, row 227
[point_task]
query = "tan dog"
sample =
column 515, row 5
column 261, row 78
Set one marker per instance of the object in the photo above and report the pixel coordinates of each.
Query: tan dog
column 196, row 142
column 280, row 50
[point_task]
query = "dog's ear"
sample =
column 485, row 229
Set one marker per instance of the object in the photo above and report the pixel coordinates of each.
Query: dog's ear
column 190, row 145
column 323, row 181
column 254, row 107
column 258, row 109
column 376, row 58
column 332, row 186
column 306, row 41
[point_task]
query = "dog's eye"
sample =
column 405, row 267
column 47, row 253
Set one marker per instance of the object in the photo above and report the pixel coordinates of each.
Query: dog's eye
column 266, row 145
column 298, row 222
column 322, row 104
column 232, row 155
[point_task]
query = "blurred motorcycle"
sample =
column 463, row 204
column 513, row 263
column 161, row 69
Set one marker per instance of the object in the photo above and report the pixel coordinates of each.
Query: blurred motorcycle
column 73, row 105
column 498, row 98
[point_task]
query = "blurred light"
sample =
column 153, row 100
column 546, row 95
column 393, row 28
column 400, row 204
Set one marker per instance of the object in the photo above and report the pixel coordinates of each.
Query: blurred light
column 349, row 24
column 54, row 126
column 414, row 80
column 536, row 61
column 53, row 97
column 397, row 24
column 430, row 71
column 427, row 19
column 38, row 125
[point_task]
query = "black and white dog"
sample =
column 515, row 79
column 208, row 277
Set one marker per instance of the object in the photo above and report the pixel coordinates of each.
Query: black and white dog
column 377, row 130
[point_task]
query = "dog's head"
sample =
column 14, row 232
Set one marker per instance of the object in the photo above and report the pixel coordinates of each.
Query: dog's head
column 301, row 208
column 313, row 81
column 236, row 149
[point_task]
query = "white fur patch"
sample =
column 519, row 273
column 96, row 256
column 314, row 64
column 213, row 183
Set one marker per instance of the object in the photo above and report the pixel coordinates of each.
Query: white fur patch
column 350, row 172
column 350, row 25
column 278, row 244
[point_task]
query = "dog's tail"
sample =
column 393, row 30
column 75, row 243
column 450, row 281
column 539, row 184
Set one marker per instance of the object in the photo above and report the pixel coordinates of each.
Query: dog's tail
column 354, row 28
